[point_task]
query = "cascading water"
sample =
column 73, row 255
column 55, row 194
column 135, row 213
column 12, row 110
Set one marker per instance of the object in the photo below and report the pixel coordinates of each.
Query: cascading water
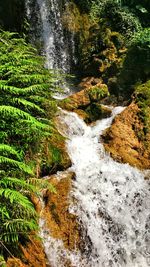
column 112, row 199
column 112, row 202
column 46, row 26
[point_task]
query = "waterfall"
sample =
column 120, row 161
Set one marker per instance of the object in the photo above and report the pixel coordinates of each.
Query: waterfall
column 112, row 199
column 112, row 202
column 45, row 17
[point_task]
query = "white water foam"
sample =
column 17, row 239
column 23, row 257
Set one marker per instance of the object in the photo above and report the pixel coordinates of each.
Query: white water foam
column 112, row 201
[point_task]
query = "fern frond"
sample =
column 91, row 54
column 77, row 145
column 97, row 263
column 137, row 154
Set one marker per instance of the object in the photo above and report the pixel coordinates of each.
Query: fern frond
column 27, row 104
column 16, row 197
column 32, row 79
column 17, row 183
column 13, row 112
column 12, row 229
column 20, row 225
column 17, row 164
column 4, row 213
column 42, row 184
column 6, row 149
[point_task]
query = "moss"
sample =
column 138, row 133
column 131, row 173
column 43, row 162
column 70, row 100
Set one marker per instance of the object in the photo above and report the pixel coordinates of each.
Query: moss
column 54, row 156
column 62, row 224
column 94, row 112
column 123, row 140
column 136, row 66
column 142, row 95
column 96, row 93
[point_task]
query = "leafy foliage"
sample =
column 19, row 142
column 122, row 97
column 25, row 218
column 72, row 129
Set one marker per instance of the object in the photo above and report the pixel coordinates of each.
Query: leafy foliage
column 118, row 18
column 26, row 109
column 136, row 67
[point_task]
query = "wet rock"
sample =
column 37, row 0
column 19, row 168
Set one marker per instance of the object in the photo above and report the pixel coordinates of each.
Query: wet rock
column 147, row 175
column 86, row 103
column 85, row 97
column 14, row 262
column 62, row 224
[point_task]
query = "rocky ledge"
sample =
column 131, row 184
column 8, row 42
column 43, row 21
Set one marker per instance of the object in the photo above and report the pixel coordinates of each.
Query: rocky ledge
column 124, row 139
column 87, row 102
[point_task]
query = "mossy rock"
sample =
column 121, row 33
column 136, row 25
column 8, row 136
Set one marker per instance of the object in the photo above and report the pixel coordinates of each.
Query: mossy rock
column 142, row 98
column 98, row 92
column 85, row 97
column 97, row 111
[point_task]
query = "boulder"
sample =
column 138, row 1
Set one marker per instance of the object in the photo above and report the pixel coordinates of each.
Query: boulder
column 122, row 140
column 85, row 97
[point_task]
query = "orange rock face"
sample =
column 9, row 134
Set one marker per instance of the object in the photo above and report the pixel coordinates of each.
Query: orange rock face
column 62, row 224
column 32, row 255
column 122, row 140
column 82, row 98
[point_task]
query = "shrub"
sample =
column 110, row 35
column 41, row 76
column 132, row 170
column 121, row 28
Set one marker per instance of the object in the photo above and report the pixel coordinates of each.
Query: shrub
column 136, row 67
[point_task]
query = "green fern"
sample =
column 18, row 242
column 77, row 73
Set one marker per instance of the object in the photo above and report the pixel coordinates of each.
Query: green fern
column 13, row 228
column 27, row 104
column 6, row 149
column 12, row 182
column 16, row 113
column 26, row 110
column 14, row 196
column 5, row 161
column 4, row 214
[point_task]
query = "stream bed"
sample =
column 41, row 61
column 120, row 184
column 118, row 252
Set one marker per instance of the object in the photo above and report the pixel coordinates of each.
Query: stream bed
column 112, row 203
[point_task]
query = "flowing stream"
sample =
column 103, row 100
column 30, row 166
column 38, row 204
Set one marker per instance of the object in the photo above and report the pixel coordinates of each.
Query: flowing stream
column 112, row 203
column 112, row 199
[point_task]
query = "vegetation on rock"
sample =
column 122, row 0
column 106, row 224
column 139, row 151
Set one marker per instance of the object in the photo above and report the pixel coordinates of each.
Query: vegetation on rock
column 142, row 96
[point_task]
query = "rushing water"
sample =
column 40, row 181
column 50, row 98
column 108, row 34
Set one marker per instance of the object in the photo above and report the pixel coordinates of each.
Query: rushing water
column 45, row 18
column 112, row 202
column 112, row 199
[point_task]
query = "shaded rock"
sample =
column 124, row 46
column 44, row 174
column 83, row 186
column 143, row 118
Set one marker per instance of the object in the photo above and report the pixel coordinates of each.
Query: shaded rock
column 122, row 139
column 86, row 103
column 33, row 255
column 97, row 111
